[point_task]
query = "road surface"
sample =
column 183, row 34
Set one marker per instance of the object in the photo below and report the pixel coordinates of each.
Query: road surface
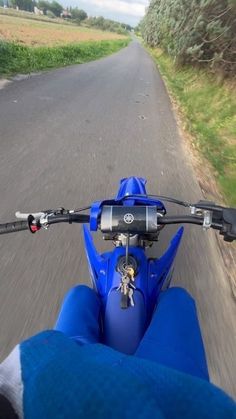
column 66, row 138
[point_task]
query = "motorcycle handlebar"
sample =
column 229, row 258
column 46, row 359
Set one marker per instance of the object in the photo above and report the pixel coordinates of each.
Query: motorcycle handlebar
column 223, row 219
column 54, row 219
column 84, row 218
column 14, row 227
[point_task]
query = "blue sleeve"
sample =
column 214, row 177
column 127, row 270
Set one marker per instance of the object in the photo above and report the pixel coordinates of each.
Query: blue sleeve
column 61, row 379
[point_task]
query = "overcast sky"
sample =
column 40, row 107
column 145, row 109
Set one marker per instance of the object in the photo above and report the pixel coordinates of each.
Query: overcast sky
column 127, row 11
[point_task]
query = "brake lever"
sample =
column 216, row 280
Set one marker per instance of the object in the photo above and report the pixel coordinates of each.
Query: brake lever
column 38, row 215
column 24, row 216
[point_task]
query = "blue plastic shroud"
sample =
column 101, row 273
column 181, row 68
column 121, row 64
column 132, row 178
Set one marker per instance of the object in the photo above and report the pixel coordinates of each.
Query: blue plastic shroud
column 124, row 328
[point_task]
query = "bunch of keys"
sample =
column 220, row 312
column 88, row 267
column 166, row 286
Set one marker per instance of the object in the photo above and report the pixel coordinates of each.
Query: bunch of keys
column 127, row 288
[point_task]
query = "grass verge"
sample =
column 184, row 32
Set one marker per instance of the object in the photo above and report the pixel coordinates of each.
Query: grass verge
column 209, row 109
column 16, row 58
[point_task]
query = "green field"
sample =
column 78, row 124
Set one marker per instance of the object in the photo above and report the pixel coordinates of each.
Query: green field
column 28, row 29
column 29, row 43
column 209, row 110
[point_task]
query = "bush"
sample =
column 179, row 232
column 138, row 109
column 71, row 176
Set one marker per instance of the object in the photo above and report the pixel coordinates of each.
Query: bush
column 50, row 14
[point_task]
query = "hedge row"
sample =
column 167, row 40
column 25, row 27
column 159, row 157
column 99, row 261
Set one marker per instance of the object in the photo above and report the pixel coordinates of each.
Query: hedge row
column 194, row 31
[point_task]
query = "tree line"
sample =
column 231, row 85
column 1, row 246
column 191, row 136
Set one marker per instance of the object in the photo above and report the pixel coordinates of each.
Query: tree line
column 29, row 5
column 201, row 32
column 108, row 25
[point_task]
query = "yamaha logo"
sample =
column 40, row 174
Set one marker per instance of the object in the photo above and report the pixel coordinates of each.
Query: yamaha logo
column 128, row 218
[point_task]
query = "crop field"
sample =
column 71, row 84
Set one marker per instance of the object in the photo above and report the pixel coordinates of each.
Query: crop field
column 25, row 31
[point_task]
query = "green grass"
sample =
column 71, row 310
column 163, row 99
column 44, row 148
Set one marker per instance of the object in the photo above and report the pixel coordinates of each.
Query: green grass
column 209, row 109
column 16, row 58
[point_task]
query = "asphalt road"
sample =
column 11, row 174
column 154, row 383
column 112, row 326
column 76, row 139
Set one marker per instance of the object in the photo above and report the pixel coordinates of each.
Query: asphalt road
column 66, row 138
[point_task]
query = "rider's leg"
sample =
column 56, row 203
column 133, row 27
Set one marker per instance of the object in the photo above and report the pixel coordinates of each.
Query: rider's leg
column 79, row 315
column 173, row 337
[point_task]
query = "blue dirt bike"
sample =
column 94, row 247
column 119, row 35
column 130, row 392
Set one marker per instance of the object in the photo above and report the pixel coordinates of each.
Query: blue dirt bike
column 127, row 282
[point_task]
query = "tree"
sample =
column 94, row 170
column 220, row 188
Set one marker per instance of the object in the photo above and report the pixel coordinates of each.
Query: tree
column 201, row 32
column 55, row 8
column 27, row 5
column 44, row 6
column 78, row 14
column 126, row 26
column 106, row 25
column 100, row 23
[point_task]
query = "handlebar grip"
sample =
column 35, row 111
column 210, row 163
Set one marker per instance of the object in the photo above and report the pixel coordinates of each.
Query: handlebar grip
column 79, row 218
column 228, row 229
column 68, row 218
column 14, row 227
column 186, row 219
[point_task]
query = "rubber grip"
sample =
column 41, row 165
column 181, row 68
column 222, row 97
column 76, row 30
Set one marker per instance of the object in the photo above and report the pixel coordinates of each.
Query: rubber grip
column 13, row 227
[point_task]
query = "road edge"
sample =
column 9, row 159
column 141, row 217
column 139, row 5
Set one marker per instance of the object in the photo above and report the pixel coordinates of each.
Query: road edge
column 206, row 181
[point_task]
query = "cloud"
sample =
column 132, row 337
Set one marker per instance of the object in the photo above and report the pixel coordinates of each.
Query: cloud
column 128, row 11
column 135, row 8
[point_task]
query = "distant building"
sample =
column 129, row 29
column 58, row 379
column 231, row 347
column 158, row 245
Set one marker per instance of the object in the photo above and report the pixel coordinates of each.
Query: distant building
column 66, row 15
column 37, row 11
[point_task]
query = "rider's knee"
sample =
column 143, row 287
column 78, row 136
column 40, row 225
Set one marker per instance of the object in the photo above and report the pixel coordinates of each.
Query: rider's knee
column 178, row 294
column 80, row 291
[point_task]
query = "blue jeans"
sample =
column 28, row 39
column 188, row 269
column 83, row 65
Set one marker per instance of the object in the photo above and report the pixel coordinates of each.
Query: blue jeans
column 173, row 337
